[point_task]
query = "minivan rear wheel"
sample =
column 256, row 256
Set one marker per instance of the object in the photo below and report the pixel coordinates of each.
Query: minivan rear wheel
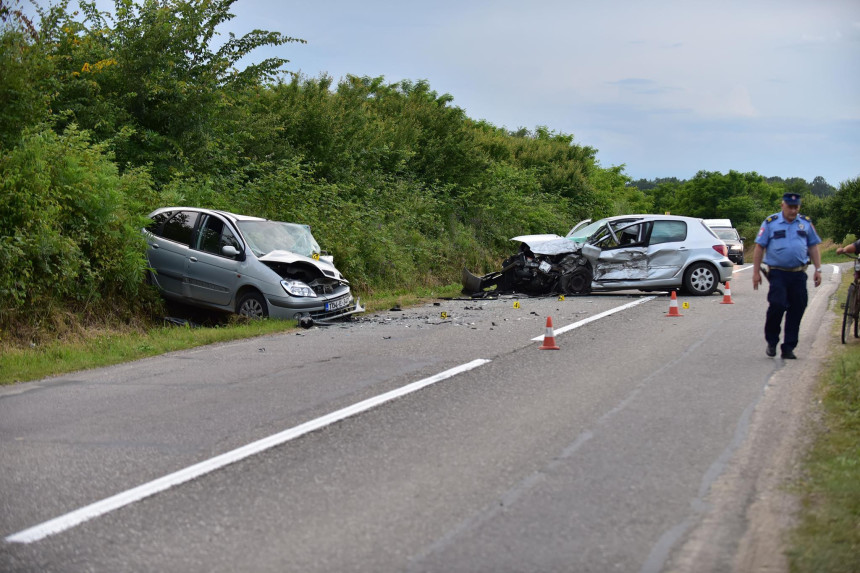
column 253, row 305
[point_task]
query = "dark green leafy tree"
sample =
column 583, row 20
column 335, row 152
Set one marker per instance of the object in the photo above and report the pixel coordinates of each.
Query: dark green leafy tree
column 25, row 74
column 152, row 78
column 742, row 197
column 844, row 210
column 664, row 195
column 821, row 188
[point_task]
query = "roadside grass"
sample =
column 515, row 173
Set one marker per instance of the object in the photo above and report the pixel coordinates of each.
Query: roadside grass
column 113, row 346
column 827, row 535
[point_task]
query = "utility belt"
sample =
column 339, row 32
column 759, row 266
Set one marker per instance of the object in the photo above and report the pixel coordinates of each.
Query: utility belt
column 799, row 269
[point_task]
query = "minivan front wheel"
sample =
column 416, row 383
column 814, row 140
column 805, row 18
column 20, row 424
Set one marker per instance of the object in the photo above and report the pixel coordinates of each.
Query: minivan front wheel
column 700, row 279
column 253, row 305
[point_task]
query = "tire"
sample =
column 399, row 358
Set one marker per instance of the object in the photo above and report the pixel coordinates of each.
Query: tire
column 577, row 281
column 741, row 260
column 253, row 305
column 701, row 279
column 856, row 311
column 848, row 316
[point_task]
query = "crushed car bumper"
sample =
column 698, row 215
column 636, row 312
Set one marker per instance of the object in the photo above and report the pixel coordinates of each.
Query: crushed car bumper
column 297, row 308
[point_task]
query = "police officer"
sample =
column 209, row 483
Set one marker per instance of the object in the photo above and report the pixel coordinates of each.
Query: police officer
column 786, row 241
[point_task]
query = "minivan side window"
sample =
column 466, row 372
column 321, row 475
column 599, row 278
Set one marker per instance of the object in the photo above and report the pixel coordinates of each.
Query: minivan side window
column 180, row 227
column 214, row 235
column 157, row 221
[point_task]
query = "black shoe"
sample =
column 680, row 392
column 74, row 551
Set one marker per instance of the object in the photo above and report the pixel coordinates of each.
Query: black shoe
column 770, row 350
column 788, row 355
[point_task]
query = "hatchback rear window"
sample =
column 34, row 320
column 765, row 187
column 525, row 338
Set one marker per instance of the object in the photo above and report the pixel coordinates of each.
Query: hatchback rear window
column 668, row 232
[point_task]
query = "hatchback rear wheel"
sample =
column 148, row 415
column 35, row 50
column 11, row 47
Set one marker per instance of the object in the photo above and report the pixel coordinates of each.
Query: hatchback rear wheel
column 700, row 279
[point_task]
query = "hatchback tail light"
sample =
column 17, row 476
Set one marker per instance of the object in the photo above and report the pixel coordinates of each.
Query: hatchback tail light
column 721, row 249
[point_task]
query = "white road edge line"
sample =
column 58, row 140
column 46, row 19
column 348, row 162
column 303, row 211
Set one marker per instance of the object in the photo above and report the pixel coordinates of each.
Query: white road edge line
column 585, row 321
column 140, row 492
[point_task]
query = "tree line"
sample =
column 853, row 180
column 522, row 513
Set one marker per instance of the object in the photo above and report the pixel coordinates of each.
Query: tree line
column 747, row 198
column 106, row 116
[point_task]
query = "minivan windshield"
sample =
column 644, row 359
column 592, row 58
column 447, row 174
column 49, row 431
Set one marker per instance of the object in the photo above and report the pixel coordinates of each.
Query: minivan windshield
column 266, row 236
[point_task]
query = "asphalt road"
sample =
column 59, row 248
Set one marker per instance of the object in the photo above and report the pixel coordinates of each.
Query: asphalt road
column 599, row 456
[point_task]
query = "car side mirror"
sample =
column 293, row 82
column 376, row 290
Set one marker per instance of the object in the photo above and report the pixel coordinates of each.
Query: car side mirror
column 229, row 251
column 743, row 239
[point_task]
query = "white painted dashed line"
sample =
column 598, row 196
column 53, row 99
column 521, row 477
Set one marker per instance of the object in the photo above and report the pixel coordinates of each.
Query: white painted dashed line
column 140, row 492
column 598, row 316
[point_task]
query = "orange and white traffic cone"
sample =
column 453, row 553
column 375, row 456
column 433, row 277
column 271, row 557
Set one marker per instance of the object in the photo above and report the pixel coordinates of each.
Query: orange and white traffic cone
column 727, row 297
column 549, row 337
column 673, row 306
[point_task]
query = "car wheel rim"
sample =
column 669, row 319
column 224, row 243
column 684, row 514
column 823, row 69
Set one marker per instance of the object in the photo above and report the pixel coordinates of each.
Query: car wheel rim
column 702, row 280
column 252, row 309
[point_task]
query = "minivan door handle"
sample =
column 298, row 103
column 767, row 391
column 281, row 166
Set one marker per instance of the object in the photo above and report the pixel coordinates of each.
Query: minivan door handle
column 192, row 259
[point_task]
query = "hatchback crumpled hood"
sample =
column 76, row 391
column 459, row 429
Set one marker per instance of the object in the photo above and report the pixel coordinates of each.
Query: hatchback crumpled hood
column 555, row 246
column 535, row 239
column 289, row 257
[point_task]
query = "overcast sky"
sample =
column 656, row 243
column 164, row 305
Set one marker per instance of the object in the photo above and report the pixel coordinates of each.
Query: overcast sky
column 665, row 87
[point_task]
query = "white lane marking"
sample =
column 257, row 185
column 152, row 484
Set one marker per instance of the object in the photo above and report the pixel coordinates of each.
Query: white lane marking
column 140, row 492
column 743, row 269
column 605, row 313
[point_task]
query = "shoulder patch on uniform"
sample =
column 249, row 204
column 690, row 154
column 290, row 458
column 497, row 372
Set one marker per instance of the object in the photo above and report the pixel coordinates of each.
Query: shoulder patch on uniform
column 771, row 219
column 805, row 218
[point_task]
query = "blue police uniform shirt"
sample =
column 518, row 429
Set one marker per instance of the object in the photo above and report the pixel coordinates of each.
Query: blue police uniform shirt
column 787, row 244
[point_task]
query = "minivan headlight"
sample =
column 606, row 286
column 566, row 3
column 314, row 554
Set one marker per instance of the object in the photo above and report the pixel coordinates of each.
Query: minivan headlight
column 297, row 288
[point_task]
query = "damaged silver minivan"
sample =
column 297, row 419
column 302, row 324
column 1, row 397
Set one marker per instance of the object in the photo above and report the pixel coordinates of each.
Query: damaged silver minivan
column 642, row 252
column 248, row 265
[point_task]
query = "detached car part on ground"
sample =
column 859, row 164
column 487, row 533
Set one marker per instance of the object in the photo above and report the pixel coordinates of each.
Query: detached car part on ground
column 643, row 252
column 248, row 265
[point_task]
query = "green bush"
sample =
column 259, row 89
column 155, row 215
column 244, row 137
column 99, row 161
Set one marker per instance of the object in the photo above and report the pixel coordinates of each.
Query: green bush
column 66, row 232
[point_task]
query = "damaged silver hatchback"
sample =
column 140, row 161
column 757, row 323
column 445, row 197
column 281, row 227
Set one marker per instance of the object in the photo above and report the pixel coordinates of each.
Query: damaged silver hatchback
column 251, row 266
column 642, row 252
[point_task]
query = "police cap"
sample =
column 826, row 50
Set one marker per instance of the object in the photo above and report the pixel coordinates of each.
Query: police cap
column 791, row 198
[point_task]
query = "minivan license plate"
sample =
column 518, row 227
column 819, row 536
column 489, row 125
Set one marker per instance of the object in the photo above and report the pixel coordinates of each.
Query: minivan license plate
column 336, row 304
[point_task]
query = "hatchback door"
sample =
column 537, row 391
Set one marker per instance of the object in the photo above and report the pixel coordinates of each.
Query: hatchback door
column 211, row 273
column 617, row 251
column 667, row 249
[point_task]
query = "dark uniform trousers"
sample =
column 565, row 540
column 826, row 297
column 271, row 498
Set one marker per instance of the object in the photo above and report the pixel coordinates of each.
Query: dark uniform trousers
column 786, row 296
